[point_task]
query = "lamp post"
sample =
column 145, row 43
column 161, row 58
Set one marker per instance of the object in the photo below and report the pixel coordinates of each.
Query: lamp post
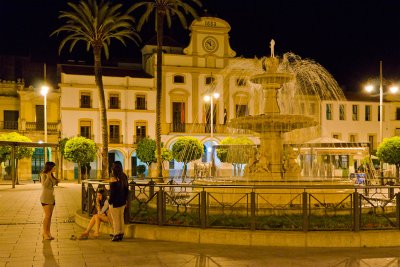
column 393, row 89
column 44, row 91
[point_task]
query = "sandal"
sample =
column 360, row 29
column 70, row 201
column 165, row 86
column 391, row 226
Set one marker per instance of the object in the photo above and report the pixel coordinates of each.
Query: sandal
column 84, row 236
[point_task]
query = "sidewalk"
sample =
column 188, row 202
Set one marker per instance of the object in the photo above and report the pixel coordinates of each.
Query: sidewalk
column 21, row 244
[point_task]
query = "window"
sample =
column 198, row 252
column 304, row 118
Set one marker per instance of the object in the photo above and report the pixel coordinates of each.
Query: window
column 85, row 101
column 397, row 114
column 11, row 119
column 336, row 136
column 352, row 138
column 342, row 112
column 329, row 112
column 210, row 80
column 179, row 79
column 178, row 116
column 114, row 134
column 114, row 101
column 241, row 82
column 367, row 113
column 86, row 129
column 397, row 132
column 371, row 140
column 141, row 103
column 241, row 111
column 355, row 112
column 140, row 131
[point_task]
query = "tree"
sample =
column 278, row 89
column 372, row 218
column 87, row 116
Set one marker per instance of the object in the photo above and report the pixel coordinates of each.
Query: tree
column 237, row 153
column 96, row 23
column 164, row 9
column 20, row 151
column 146, row 151
column 187, row 149
column 62, row 150
column 389, row 152
column 80, row 150
column 166, row 154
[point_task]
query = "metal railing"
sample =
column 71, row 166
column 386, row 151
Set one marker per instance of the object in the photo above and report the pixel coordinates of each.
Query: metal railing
column 9, row 125
column 116, row 139
column 281, row 208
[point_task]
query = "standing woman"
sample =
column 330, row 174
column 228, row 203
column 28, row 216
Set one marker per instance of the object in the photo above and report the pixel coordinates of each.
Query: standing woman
column 118, row 199
column 47, row 198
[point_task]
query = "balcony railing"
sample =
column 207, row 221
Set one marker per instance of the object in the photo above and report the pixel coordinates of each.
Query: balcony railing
column 9, row 125
column 52, row 127
column 112, row 139
column 138, row 138
column 91, row 137
column 197, row 128
column 141, row 105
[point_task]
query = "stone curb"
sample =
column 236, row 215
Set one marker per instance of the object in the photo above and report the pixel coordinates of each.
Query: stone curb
column 313, row 239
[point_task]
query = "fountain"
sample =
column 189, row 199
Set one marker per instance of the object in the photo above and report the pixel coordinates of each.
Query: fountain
column 291, row 78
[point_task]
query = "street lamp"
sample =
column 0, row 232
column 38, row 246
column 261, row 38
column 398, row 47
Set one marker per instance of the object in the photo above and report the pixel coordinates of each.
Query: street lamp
column 370, row 88
column 44, row 91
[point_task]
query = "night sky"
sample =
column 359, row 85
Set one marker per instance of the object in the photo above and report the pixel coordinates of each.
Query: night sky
column 348, row 38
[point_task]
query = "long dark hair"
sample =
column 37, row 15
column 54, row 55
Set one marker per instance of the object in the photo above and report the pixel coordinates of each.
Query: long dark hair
column 48, row 167
column 118, row 173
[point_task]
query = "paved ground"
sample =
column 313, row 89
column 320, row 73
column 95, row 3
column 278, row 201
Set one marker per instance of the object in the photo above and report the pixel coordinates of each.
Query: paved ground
column 21, row 244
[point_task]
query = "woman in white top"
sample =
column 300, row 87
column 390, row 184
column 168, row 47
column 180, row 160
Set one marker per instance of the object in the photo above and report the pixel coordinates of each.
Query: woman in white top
column 47, row 197
column 101, row 215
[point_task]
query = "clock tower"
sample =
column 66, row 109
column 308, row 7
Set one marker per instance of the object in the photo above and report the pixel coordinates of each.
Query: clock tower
column 209, row 37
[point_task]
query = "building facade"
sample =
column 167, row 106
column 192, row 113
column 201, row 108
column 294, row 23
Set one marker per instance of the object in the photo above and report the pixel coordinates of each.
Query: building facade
column 189, row 74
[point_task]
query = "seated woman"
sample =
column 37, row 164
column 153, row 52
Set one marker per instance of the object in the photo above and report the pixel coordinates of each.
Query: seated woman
column 101, row 215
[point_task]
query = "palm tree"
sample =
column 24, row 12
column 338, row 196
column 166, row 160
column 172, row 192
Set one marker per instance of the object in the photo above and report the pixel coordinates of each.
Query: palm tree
column 96, row 23
column 164, row 9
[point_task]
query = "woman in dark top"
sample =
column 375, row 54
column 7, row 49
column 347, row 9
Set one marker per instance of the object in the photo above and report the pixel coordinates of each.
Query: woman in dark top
column 118, row 199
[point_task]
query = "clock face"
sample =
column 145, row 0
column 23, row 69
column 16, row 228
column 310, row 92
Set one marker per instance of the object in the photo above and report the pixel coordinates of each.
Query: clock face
column 210, row 44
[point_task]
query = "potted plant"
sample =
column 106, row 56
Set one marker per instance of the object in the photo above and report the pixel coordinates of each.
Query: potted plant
column 141, row 169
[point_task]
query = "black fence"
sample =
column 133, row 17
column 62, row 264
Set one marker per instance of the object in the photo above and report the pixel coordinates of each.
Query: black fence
column 281, row 208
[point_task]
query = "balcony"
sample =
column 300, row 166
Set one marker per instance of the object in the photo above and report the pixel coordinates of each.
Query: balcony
column 138, row 138
column 116, row 139
column 9, row 125
column 52, row 127
column 88, row 136
column 199, row 128
column 141, row 105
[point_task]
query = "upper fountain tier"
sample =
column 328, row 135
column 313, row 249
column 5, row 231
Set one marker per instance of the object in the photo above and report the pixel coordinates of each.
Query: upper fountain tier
column 271, row 80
